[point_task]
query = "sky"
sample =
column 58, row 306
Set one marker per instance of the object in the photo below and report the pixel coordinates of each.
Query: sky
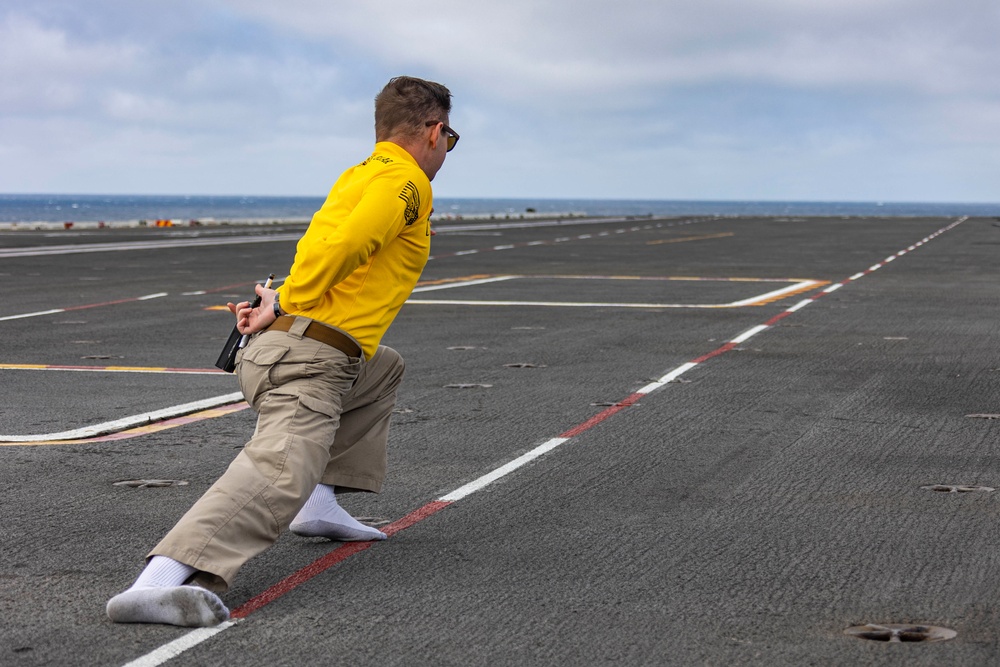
column 789, row 100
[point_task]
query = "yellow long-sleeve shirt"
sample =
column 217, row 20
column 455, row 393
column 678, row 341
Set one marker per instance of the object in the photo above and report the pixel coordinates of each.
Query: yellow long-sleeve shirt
column 365, row 248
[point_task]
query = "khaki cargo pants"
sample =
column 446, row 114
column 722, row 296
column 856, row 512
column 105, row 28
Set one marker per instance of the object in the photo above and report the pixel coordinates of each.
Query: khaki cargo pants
column 323, row 416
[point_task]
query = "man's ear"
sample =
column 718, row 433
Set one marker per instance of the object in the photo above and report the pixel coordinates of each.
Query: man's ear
column 435, row 135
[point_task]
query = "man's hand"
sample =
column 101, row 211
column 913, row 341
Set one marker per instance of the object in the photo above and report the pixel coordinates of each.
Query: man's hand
column 251, row 320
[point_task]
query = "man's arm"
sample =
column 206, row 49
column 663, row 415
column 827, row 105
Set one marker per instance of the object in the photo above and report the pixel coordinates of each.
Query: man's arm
column 336, row 248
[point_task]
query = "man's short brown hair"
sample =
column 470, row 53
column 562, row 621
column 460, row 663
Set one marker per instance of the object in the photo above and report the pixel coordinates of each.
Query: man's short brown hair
column 406, row 104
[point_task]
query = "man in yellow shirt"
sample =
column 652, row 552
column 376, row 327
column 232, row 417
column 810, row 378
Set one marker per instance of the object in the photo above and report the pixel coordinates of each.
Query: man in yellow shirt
column 314, row 371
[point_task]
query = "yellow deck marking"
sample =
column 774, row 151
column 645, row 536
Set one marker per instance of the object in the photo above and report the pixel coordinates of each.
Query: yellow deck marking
column 142, row 430
column 704, row 237
column 804, row 286
column 115, row 369
column 794, row 286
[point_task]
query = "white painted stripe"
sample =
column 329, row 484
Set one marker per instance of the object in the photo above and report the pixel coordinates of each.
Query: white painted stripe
column 503, row 470
column 889, row 259
column 502, row 247
column 466, row 252
column 115, row 369
column 669, row 377
column 535, row 243
column 677, row 372
column 749, row 334
column 800, row 305
column 833, row 288
column 443, row 228
column 805, row 284
column 857, row 276
column 463, row 283
column 129, row 422
column 40, row 312
column 874, row 267
column 38, row 251
column 64, row 310
column 562, row 304
column 179, row 645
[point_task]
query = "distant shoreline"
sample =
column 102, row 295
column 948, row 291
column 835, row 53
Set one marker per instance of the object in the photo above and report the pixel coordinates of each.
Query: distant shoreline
column 235, row 222
column 84, row 211
column 449, row 224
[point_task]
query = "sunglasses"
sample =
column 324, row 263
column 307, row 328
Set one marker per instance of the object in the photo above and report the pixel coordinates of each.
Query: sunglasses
column 451, row 135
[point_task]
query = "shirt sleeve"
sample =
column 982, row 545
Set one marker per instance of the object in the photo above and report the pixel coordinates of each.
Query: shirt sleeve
column 341, row 246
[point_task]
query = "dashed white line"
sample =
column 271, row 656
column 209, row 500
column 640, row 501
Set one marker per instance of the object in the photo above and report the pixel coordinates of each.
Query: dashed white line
column 502, row 471
column 179, row 645
column 749, row 334
column 54, row 311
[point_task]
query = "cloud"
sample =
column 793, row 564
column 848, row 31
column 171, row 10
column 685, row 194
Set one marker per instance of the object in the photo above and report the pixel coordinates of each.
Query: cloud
column 711, row 99
column 539, row 49
column 42, row 70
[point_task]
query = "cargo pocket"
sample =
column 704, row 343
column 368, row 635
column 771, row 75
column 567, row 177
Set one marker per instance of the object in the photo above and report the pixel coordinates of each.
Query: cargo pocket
column 325, row 408
column 254, row 369
column 299, row 418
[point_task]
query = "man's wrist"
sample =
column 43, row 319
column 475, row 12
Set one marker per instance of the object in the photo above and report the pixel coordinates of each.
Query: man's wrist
column 277, row 306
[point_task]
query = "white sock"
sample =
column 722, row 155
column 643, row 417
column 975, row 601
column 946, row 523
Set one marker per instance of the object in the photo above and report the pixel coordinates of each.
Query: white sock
column 163, row 571
column 159, row 596
column 323, row 517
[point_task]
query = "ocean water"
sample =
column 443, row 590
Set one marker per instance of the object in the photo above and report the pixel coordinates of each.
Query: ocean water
column 116, row 208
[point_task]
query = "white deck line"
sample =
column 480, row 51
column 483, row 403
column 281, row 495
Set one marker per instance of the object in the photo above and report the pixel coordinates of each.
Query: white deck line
column 562, row 304
column 54, row 311
column 669, row 377
column 747, row 335
column 178, row 646
column 804, row 285
column 775, row 294
column 115, row 369
column 503, row 470
column 38, row 251
column 35, row 314
column 464, row 283
column 800, row 305
column 128, row 422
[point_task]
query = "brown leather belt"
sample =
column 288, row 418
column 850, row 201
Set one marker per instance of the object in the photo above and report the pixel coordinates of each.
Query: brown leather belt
column 320, row 332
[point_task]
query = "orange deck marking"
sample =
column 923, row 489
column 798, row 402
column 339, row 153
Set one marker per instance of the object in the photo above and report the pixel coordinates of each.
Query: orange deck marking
column 704, row 237
column 143, row 430
column 112, row 369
